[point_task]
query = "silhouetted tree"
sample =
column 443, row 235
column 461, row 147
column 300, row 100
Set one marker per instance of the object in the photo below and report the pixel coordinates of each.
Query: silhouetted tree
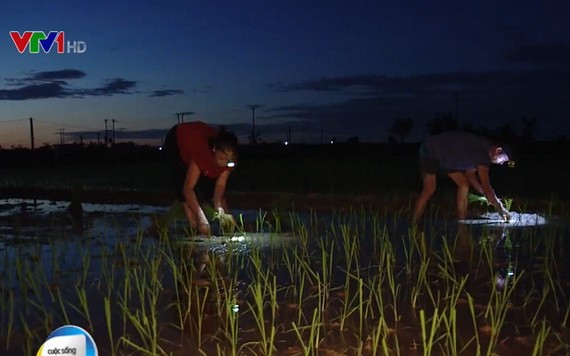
column 352, row 140
column 528, row 129
column 401, row 128
column 506, row 132
column 441, row 123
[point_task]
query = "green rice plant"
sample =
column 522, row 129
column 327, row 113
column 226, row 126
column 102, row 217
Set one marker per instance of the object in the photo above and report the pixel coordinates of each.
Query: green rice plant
column 361, row 309
column 540, row 338
column 544, row 297
column 265, row 323
column 86, row 262
column 126, row 297
column 199, row 300
column 565, row 316
column 508, row 203
column 144, row 319
column 350, row 246
column 292, row 264
column 310, row 345
column 429, row 336
column 497, row 307
column 183, row 292
column 394, row 287
column 43, row 313
column 107, row 274
column 449, row 314
column 62, row 305
column 419, row 281
column 378, row 338
column 29, row 336
column 325, row 277
column 352, row 303
column 11, row 312
column 475, row 338
column 277, row 221
column 300, row 292
column 109, row 323
column 376, row 303
column 378, row 233
column 451, row 336
column 83, row 309
column 260, row 221
column 231, row 319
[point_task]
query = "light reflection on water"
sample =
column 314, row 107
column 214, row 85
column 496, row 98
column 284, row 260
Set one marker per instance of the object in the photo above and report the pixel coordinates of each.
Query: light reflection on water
column 106, row 228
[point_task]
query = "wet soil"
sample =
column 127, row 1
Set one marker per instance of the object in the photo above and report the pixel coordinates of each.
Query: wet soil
column 241, row 200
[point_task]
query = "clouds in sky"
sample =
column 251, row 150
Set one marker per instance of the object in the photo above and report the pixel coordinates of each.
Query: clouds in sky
column 58, row 84
column 534, row 82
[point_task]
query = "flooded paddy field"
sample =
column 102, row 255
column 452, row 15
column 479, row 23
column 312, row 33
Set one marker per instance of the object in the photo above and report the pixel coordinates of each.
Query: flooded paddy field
column 351, row 282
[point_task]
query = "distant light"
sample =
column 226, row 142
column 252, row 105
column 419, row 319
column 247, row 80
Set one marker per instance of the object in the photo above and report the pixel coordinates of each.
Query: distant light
column 160, row 148
column 286, row 143
column 332, row 141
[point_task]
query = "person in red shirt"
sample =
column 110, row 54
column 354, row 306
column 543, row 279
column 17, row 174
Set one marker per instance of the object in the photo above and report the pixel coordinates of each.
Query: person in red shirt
column 197, row 150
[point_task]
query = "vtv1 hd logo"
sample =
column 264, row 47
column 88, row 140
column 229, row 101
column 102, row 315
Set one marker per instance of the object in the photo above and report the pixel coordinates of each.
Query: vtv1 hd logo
column 36, row 40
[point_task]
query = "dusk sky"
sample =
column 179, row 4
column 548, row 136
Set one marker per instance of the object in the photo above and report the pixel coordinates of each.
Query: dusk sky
column 340, row 68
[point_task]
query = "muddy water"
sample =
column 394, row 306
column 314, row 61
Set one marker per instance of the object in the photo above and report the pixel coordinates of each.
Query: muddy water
column 47, row 245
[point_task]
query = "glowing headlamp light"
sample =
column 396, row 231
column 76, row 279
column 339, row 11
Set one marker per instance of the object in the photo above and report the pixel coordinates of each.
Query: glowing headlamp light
column 512, row 164
column 230, row 164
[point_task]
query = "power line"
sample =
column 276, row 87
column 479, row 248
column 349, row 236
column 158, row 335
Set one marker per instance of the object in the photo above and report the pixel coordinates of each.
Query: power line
column 9, row 121
column 67, row 125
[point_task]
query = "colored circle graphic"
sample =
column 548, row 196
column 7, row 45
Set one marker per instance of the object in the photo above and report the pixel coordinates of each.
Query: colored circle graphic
column 69, row 340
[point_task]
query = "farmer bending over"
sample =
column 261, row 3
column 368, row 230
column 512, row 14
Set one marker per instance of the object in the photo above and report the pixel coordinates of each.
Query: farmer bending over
column 197, row 151
column 465, row 158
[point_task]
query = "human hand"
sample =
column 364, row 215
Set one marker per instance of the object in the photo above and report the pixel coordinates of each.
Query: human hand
column 505, row 215
column 227, row 221
column 204, row 228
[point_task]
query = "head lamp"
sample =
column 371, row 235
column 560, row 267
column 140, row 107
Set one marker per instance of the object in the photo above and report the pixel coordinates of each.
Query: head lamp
column 230, row 164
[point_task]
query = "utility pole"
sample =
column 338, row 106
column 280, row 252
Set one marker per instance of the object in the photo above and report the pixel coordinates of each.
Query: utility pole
column 113, row 122
column 253, row 107
column 456, row 94
column 61, row 136
column 180, row 115
column 32, row 132
column 106, row 134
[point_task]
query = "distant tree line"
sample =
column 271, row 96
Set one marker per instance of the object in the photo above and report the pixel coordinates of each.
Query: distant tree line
column 525, row 138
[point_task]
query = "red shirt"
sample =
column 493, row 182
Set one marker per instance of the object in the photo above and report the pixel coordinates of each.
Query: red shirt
column 194, row 147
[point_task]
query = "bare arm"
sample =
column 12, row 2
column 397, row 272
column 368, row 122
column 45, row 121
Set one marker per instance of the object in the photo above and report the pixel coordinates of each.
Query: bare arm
column 192, row 176
column 483, row 173
column 220, row 190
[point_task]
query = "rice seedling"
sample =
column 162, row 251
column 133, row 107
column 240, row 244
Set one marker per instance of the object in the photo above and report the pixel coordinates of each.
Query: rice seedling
column 540, row 338
column 230, row 316
column 83, row 307
column 183, row 277
column 497, row 308
column 109, row 324
column 351, row 283
column 430, row 330
column 310, row 343
column 144, row 319
column 262, row 289
column 11, row 314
